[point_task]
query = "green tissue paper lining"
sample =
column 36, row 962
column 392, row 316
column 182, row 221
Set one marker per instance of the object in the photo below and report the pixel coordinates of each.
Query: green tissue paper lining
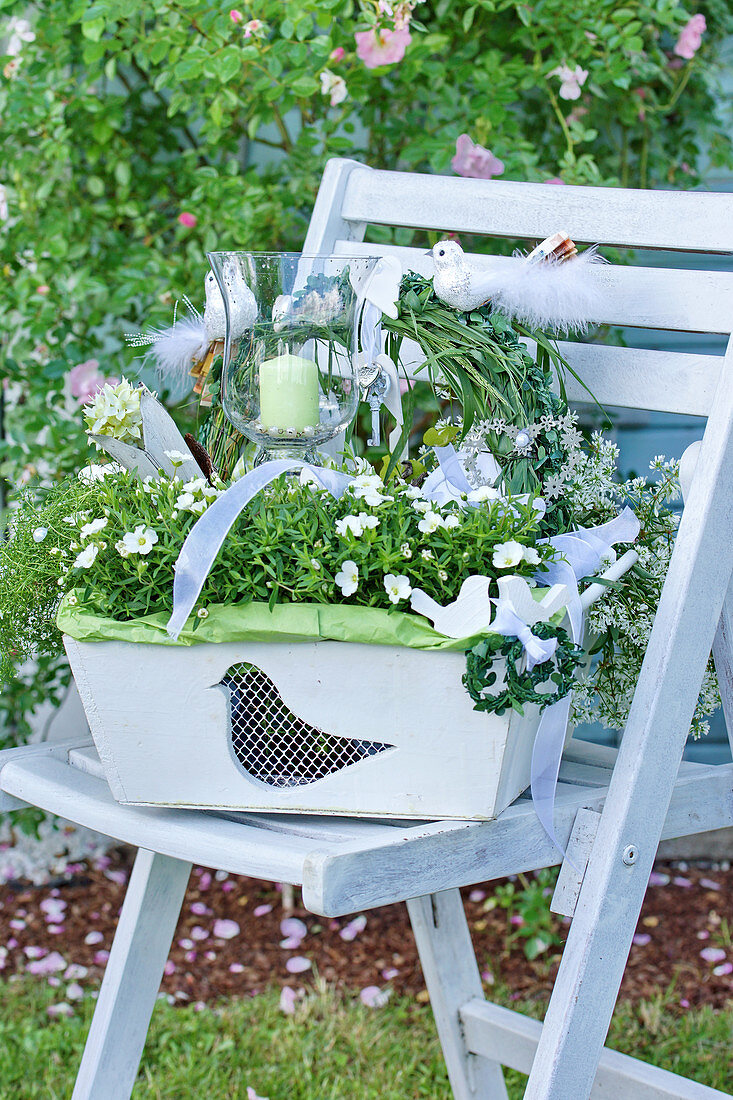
column 254, row 622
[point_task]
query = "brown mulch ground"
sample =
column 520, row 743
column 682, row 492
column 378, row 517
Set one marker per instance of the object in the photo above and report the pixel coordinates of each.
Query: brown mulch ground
column 686, row 911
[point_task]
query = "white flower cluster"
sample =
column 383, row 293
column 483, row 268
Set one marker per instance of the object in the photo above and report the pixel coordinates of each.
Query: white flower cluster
column 196, row 496
column 115, row 411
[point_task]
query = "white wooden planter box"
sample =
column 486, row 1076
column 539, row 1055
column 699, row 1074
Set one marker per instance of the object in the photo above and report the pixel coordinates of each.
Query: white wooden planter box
column 312, row 727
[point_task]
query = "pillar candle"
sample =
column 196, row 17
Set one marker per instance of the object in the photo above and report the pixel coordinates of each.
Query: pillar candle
column 289, row 393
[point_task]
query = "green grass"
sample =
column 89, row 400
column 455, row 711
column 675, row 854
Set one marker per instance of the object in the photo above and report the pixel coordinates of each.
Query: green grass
column 332, row 1049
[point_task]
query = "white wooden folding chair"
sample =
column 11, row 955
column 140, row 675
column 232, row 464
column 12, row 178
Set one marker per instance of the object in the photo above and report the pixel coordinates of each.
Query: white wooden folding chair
column 612, row 809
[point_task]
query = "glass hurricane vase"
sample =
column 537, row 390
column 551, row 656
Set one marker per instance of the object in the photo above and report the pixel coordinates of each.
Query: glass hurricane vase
column 289, row 377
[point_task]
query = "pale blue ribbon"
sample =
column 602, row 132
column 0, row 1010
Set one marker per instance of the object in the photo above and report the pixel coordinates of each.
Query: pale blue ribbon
column 205, row 539
column 584, row 551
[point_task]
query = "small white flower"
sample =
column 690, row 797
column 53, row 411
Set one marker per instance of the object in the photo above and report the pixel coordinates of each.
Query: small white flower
column 185, row 500
column 177, row 458
column 553, row 486
column 316, row 564
column 367, row 487
column 140, row 541
column 202, row 613
column 507, row 554
column 397, row 588
column 349, row 525
column 39, row 534
column 442, row 574
column 333, row 86
column 451, row 521
column 405, row 550
column 421, row 505
column 93, row 528
column 122, row 549
column 430, row 522
column 483, row 493
column 413, row 492
column 427, row 555
column 72, row 599
column 348, row 578
column 531, row 556
column 86, row 557
column 368, row 522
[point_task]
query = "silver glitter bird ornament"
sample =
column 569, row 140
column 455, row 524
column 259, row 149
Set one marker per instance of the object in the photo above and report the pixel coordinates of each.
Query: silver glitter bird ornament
column 186, row 347
column 550, row 288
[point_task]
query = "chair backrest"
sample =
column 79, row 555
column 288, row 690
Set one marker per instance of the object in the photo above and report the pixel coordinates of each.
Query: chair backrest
column 353, row 196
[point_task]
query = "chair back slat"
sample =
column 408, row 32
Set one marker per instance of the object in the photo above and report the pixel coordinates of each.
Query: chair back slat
column 680, row 220
column 639, row 297
column 352, row 196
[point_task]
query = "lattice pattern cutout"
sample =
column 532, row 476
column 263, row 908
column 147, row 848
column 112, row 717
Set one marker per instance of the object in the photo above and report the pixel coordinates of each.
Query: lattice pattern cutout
column 273, row 744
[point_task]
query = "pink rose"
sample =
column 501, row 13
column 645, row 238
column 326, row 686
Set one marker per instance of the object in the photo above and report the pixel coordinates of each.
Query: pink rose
column 85, row 380
column 236, row 16
column 254, row 26
column 571, row 80
column 189, row 220
column 690, row 38
column 555, row 179
column 338, row 54
column 474, row 161
column 381, row 47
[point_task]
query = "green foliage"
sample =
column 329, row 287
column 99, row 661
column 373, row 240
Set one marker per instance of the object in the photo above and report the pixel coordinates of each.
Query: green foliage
column 340, row 1048
column 520, row 686
column 286, row 547
column 530, row 921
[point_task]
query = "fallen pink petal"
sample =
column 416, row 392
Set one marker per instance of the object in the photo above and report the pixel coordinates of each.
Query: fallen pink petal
column 679, row 880
column 252, row 1095
column 712, row 954
column 351, row 930
column 61, row 1009
column 723, row 969
column 477, row 895
column 199, row 933
column 374, row 997
column 93, row 937
column 291, row 943
column 288, row 999
column 291, row 927
column 226, row 929
column 709, row 884
column 641, row 939
column 261, row 910
column 297, row 965
column 50, row 964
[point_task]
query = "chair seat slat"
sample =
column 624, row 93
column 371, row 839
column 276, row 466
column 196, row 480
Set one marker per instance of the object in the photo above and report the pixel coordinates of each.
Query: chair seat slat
column 679, row 220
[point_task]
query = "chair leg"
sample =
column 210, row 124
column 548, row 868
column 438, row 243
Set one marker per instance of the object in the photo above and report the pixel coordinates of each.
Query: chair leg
column 132, row 979
column 452, row 977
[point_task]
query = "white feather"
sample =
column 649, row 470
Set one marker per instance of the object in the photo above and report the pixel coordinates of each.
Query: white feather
column 174, row 349
column 566, row 297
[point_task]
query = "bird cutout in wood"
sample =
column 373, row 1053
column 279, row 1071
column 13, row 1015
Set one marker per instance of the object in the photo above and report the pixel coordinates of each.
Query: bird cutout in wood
column 469, row 614
column 189, row 346
column 551, row 288
column 160, row 435
column 517, row 592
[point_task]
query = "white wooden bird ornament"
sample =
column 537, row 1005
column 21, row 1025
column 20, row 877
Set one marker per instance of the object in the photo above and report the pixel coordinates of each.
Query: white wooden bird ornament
column 553, row 287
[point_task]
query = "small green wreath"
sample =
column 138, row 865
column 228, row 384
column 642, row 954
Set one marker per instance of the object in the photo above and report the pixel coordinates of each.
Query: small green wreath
column 520, row 687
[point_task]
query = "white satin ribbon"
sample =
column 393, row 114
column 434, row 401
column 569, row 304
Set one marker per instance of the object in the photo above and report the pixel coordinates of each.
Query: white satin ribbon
column 507, row 622
column 205, row 539
column 584, row 550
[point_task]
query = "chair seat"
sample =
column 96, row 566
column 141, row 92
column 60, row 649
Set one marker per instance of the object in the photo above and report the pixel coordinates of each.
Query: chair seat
column 347, row 864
